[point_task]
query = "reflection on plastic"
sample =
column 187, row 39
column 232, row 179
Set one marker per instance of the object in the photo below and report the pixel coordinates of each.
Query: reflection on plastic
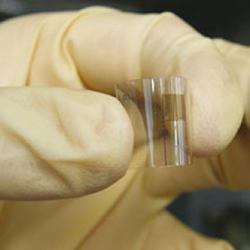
column 161, row 105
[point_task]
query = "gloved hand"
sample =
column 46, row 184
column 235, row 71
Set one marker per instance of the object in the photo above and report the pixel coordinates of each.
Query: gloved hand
column 60, row 142
column 228, row 168
column 55, row 142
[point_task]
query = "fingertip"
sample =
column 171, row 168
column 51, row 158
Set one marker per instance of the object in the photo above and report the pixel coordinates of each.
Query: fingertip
column 217, row 113
column 121, row 135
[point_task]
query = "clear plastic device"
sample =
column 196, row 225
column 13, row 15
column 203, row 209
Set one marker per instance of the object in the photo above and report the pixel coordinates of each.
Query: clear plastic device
column 158, row 109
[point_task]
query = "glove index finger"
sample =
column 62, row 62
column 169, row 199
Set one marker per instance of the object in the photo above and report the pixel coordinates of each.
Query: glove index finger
column 239, row 57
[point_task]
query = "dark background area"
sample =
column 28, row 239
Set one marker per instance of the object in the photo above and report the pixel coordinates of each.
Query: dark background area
column 214, row 212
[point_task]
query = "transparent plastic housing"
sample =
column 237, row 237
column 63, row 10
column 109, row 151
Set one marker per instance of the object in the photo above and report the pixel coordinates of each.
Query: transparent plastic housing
column 158, row 109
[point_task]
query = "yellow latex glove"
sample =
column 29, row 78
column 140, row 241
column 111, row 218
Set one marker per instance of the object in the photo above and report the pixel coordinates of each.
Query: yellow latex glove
column 60, row 142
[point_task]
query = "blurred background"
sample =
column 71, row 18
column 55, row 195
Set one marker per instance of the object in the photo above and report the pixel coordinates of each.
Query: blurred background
column 215, row 212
